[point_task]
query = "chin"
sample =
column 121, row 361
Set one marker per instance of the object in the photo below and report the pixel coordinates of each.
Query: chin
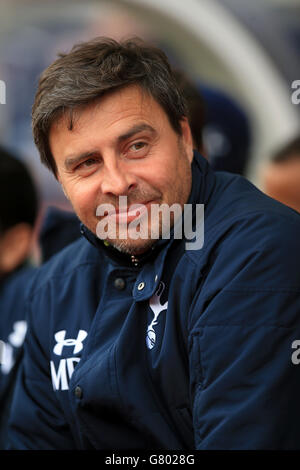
column 132, row 247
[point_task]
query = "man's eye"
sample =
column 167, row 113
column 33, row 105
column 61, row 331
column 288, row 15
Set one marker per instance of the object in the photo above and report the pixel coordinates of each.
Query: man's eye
column 138, row 146
column 89, row 162
column 87, row 167
column 86, row 164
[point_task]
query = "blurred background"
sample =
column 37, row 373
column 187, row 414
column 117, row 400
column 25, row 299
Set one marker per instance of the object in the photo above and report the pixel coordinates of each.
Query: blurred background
column 243, row 57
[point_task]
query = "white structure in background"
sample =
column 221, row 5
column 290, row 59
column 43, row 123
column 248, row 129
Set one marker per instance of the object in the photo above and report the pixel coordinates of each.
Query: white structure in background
column 2, row 92
column 261, row 89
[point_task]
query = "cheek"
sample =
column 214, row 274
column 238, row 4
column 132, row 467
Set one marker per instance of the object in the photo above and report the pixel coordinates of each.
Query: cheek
column 83, row 198
column 160, row 171
column 168, row 175
column 155, row 182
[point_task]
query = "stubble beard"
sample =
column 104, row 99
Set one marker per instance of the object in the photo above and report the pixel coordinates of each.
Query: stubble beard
column 142, row 245
column 161, row 228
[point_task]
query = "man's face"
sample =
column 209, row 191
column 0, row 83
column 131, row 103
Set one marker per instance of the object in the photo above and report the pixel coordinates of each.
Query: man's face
column 123, row 145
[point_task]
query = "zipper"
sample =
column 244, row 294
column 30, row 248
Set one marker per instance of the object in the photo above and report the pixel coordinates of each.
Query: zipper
column 135, row 261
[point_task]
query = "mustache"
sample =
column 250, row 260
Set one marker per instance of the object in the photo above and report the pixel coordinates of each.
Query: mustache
column 136, row 196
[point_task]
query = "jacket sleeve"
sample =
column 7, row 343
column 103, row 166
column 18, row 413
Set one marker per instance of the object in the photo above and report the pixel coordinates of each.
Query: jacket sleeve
column 244, row 345
column 37, row 420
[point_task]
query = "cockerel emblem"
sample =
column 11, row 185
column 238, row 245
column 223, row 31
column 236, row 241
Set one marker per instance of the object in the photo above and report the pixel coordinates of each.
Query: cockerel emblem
column 157, row 307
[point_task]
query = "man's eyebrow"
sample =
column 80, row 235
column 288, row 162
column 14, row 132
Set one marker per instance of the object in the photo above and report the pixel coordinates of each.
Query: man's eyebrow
column 76, row 159
column 135, row 130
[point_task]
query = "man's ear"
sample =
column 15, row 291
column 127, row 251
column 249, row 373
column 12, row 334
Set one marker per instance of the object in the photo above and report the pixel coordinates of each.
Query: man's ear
column 187, row 138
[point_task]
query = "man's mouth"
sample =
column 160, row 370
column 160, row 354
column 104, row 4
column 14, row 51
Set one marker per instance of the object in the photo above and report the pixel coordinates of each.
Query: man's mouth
column 124, row 214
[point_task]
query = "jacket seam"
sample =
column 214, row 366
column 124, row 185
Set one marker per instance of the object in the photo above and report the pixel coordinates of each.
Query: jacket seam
column 251, row 325
column 257, row 212
column 57, row 276
column 280, row 290
column 219, row 225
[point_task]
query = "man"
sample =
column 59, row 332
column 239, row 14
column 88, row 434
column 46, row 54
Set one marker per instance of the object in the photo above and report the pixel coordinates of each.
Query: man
column 281, row 178
column 18, row 211
column 151, row 342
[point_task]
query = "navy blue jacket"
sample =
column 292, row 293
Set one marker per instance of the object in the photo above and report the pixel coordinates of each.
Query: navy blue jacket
column 13, row 328
column 190, row 349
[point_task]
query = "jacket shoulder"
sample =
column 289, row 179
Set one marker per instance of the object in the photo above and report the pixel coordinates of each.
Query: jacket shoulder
column 247, row 231
column 65, row 263
column 235, row 196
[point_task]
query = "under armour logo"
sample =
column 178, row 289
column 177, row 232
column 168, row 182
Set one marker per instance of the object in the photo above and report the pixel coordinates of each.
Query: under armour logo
column 61, row 342
column 156, row 308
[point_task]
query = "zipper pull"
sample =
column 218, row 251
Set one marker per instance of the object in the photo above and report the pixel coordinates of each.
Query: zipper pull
column 134, row 260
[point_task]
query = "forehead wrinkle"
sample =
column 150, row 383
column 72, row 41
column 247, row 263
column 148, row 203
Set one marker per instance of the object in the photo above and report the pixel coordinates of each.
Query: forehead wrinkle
column 74, row 119
column 133, row 109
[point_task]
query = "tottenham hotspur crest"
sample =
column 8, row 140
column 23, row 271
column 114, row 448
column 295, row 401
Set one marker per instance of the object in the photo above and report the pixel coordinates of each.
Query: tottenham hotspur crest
column 156, row 308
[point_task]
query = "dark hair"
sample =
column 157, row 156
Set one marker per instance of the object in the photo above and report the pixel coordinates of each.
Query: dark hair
column 195, row 106
column 288, row 151
column 18, row 194
column 94, row 68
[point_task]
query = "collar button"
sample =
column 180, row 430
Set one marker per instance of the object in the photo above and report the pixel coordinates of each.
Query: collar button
column 119, row 283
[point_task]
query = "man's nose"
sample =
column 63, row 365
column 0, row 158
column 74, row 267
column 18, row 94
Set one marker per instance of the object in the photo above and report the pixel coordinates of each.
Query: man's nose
column 117, row 180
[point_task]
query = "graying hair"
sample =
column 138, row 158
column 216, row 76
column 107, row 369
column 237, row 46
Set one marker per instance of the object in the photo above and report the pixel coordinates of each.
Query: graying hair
column 97, row 67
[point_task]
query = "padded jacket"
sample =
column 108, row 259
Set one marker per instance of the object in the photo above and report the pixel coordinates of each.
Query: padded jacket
column 182, row 349
column 13, row 326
